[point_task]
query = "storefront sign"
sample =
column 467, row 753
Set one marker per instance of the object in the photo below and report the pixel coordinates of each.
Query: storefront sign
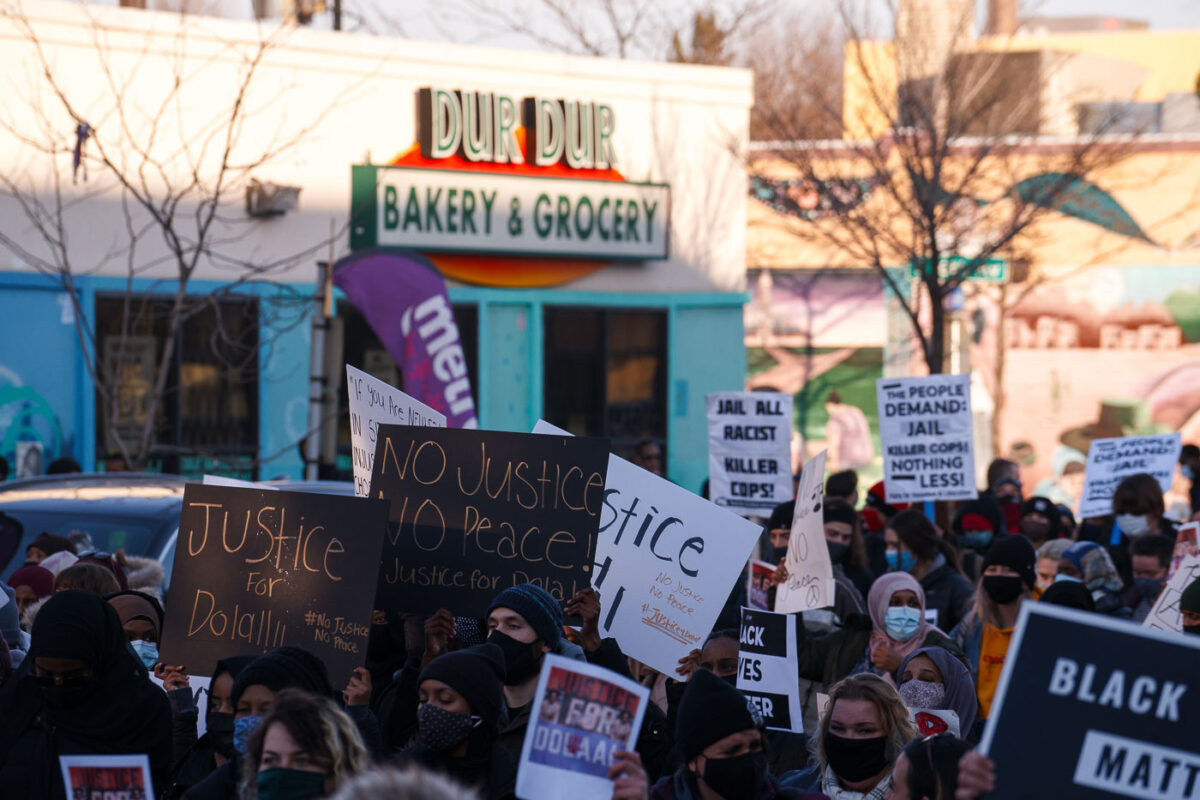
column 749, row 450
column 1112, row 460
column 438, row 210
column 928, row 438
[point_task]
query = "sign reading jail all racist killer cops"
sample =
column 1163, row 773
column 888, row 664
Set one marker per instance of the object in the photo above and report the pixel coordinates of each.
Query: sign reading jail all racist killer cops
column 371, row 402
column 257, row 569
column 767, row 668
column 475, row 512
column 1109, row 461
column 749, row 451
column 665, row 560
column 1089, row 706
column 928, row 438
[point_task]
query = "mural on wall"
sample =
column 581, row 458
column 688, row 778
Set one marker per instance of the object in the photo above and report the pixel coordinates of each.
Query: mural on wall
column 812, row 199
column 26, row 416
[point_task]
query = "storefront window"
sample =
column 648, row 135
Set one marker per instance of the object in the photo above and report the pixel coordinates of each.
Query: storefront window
column 606, row 373
column 208, row 413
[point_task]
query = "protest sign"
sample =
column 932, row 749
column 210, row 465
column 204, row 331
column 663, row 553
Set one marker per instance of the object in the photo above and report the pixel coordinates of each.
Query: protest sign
column 107, row 777
column 809, row 582
column 665, row 560
column 221, row 480
column 256, row 569
column 1165, row 615
column 1111, row 460
column 475, row 512
column 767, row 670
column 1092, row 706
column 1185, row 545
column 928, row 438
column 749, row 451
column 373, row 402
column 758, row 584
column 935, row 721
column 581, row 715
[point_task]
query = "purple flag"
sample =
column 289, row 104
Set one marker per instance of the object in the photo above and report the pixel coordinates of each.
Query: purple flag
column 404, row 299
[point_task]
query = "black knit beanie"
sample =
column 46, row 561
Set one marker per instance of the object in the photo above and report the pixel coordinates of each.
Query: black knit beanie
column 838, row 511
column 285, row 667
column 709, row 710
column 1189, row 601
column 781, row 516
column 1071, row 594
column 477, row 673
column 1016, row 553
column 537, row 606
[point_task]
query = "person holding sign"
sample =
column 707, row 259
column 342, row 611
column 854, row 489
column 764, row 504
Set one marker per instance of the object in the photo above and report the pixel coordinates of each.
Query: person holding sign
column 913, row 546
column 1189, row 608
column 86, row 685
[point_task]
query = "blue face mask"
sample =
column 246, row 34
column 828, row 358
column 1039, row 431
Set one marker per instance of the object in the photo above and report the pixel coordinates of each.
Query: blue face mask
column 904, row 562
column 1062, row 576
column 146, row 651
column 901, row 622
column 1187, row 472
column 977, row 540
column 243, row 729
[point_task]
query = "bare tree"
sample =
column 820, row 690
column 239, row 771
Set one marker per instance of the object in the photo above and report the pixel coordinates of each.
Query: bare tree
column 180, row 182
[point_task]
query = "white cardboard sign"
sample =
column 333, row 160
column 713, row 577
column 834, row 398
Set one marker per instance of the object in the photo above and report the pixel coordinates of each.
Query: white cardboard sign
column 581, row 715
column 809, row 583
column 749, row 450
column 1165, row 614
column 665, row 561
column 767, row 670
column 373, row 402
column 1111, row 460
column 928, row 438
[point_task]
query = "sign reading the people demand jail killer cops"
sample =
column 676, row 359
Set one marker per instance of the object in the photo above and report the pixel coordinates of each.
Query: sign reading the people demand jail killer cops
column 767, row 670
column 749, row 451
column 665, row 559
column 256, row 569
column 928, row 438
column 581, row 715
column 1110, row 461
column 373, row 402
column 1089, row 706
column 809, row 583
column 475, row 512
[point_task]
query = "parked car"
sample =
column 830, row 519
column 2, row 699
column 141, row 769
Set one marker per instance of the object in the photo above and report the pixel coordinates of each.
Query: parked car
column 130, row 511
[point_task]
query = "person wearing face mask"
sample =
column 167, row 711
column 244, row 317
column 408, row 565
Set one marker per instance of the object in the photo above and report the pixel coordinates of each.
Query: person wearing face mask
column 928, row 769
column 142, row 618
column 1138, row 509
column 864, row 729
column 1008, row 580
column 976, row 524
column 933, row 678
column 81, row 691
column 1047, row 563
column 847, row 550
column 203, row 755
column 1090, row 564
column 304, row 749
column 914, row 546
column 1150, row 558
column 459, row 717
column 1039, row 521
column 1189, row 468
column 1189, row 608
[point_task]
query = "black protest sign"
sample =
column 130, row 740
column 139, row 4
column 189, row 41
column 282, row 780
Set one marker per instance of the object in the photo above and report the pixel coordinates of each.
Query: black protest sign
column 767, row 671
column 475, row 512
column 258, row 569
column 1091, row 706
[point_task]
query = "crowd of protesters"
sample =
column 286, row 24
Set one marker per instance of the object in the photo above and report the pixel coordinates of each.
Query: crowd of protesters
column 923, row 619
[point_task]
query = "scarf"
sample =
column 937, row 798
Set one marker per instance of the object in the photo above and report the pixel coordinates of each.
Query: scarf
column 877, row 605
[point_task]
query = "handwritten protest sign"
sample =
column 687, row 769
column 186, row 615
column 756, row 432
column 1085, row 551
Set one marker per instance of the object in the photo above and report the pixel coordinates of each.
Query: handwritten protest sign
column 1165, row 615
column 255, row 569
column 373, row 402
column 581, row 715
column 758, row 585
column 665, row 561
column 1092, row 706
column 221, row 480
column 107, row 777
column 1111, row 460
column 809, row 582
column 476, row 512
column 749, row 450
column 928, row 438
column 1185, row 545
column 767, row 670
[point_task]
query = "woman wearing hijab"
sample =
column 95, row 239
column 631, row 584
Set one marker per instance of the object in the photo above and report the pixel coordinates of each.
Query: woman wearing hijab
column 914, row 546
column 31, row 583
column 1090, row 564
column 932, row 678
column 81, row 691
column 200, row 757
column 458, row 721
column 142, row 620
column 877, row 643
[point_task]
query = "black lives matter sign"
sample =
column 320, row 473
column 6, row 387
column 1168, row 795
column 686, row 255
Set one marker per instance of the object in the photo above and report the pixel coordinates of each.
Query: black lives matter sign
column 767, row 671
column 928, row 438
column 475, row 512
column 1090, row 706
column 257, row 569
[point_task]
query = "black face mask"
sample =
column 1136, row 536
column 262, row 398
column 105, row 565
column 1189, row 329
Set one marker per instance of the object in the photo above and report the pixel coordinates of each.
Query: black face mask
column 1035, row 529
column 520, row 664
column 220, row 731
column 780, row 553
column 856, row 759
column 740, row 776
column 837, row 551
column 1002, row 588
column 385, row 641
column 1192, row 629
column 68, row 694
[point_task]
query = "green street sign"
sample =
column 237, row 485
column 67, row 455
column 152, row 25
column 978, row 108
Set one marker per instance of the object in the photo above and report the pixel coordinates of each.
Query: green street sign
column 990, row 270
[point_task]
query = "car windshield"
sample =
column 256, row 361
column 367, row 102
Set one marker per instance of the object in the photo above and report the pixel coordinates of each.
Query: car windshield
column 109, row 534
